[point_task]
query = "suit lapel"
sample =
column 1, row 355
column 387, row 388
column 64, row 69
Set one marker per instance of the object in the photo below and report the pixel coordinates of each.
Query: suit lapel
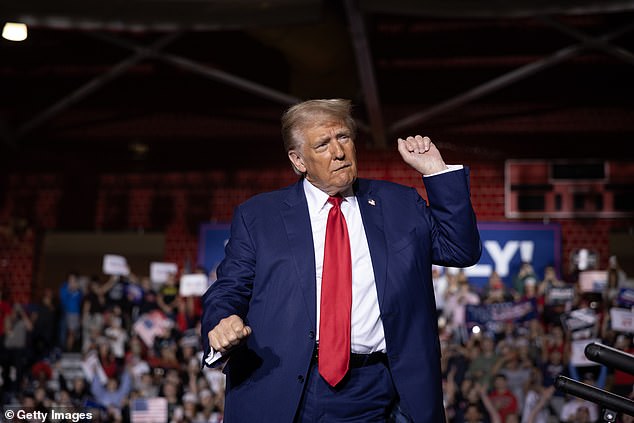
column 298, row 230
column 372, row 216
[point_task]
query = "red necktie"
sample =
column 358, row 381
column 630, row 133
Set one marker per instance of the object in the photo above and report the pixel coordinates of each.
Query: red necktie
column 336, row 298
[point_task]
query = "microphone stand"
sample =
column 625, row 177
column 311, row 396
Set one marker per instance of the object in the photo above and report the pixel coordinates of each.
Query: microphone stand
column 611, row 403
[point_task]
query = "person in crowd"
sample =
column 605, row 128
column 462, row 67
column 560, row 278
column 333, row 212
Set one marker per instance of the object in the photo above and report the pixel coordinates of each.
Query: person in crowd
column 134, row 296
column 70, row 296
column 78, row 389
column 44, row 326
column 5, row 310
column 496, row 291
column 502, row 398
column 487, row 412
column 516, row 371
column 149, row 299
column 578, row 410
column 616, row 272
column 555, row 339
column 170, row 390
column 17, row 330
column 459, row 400
column 456, row 306
column 185, row 317
column 535, row 402
column 483, row 357
column 117, row 296
column 167, row 298
column 106, row 356
column 525, row 281
column 550, row 369
column 116, row 335
column 365, row 249
column 93, row 310
column 165, row 356
column 558, row 296
column 211, row 407
column 186, row 412
column 113, row 395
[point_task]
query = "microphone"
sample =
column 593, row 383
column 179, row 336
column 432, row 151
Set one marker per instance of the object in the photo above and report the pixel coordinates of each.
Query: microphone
column 610, row 357
column 598, row 396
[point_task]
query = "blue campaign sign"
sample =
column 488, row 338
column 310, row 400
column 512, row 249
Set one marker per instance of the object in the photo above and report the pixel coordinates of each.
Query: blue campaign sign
column 211, row 246
column 519, row 312
column 506, row 245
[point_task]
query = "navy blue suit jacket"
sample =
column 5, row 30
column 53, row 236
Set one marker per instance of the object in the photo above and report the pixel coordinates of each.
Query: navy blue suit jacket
column 268, row 278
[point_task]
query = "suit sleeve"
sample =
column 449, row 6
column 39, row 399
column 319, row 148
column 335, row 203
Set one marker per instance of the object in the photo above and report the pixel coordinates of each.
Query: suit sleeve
column 455, row 236
column 231, row 292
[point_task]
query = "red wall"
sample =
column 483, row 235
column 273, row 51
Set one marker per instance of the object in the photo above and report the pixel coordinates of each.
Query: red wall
column 193, row 197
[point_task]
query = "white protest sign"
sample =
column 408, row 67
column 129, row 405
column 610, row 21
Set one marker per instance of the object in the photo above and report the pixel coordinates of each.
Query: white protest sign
column 622, row 319
column 159, row 272
column 115, row 265
column 92, row 368
column 577, row 353
column 193, row 285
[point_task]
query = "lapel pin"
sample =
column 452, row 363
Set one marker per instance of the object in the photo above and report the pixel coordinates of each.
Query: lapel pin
column 371, row 202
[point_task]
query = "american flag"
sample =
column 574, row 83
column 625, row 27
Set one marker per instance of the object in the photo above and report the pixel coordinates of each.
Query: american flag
column 150, row 325
column 148, row 410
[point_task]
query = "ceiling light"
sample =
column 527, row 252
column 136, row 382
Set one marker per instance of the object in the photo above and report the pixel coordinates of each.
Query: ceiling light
column 14, row 31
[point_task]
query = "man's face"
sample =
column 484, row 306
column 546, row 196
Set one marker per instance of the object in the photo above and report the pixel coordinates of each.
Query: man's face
column 327, row 156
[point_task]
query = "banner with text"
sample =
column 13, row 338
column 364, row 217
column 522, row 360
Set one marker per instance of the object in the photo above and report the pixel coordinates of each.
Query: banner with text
column 506, row 245
column 491, row 315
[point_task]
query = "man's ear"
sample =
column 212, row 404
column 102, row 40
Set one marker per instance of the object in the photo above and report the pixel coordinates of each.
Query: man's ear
column 297, row 161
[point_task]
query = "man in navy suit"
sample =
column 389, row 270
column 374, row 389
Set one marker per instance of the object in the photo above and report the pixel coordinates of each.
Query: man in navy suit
column 262, row 315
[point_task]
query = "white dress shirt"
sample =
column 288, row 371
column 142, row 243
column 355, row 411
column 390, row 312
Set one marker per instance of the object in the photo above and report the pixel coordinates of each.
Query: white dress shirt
column 366, row 333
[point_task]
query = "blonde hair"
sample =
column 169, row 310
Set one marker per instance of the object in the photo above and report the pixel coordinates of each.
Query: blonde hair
column 307, row 113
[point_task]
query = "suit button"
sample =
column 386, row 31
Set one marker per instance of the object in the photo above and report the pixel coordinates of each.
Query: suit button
column 300, row 379
column 311, row 334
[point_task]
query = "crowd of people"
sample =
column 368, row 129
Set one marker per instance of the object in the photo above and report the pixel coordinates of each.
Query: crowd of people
column 502, row 371
column 505, row 370
column 130, row 339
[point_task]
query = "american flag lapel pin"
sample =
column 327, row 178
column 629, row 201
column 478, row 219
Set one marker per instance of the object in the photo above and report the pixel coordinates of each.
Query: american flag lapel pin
column 372, row 202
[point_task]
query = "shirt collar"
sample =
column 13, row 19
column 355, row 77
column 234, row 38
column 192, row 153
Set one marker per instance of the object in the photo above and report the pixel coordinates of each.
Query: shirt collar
column 317, row 199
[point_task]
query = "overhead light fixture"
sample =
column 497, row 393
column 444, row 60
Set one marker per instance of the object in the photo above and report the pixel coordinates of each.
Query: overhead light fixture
column 13, row 31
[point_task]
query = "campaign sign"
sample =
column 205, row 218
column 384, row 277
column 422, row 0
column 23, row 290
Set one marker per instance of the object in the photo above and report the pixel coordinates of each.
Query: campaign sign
column 577, row 352
column 579, row 319
column 625, row 297
column 593, row 281
column 622, row 319
column 560, row 295
column 211, row 246
column 193, row 285
column 115, row 265
column 489, row 315
column 506, row 245
column 159, row 271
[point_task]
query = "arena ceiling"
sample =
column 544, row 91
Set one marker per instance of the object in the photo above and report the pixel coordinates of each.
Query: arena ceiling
column 174, row 84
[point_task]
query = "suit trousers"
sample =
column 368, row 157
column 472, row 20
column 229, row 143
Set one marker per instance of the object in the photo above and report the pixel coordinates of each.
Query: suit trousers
column 366, row 395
